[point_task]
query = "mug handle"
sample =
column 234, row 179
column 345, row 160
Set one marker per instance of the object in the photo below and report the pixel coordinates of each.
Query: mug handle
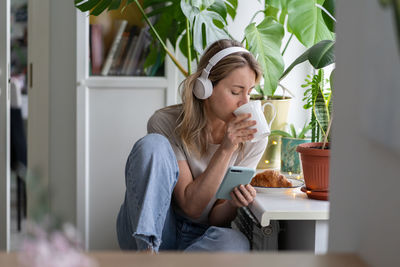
column 273, row 110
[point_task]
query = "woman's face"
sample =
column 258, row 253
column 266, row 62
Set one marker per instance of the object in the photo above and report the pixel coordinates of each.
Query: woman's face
column 230, row 93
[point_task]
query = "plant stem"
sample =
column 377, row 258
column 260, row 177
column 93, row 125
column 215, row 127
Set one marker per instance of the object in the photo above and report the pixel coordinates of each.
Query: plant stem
column 254, row 16
column 189, row 51
column 180, row 67
column 286, row 90
column 287, row 44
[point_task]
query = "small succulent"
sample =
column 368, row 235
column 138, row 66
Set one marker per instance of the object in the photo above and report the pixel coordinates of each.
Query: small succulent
column 293, row 133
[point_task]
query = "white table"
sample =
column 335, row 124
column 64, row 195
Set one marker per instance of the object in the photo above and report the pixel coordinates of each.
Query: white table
column 293, row 205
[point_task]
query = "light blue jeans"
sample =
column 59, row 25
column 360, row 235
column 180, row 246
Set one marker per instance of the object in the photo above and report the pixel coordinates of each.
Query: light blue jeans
column 147, row 219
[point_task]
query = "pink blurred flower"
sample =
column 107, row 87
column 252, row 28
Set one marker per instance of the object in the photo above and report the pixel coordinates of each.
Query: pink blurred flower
column 54, row 249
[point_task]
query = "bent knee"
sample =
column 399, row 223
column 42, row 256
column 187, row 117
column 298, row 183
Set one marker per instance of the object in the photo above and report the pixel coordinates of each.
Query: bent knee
column 229, row 239
column 151, row 145
column 153, row 142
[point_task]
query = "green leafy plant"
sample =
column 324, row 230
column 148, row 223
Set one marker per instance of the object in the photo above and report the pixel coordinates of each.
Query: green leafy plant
column 188, row 25
column 293, row 133
column 318, row 98
column 191, row 25
column 307, row 20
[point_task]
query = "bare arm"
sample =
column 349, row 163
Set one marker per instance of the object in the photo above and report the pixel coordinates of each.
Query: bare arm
column 224, row 211
column 193, row 195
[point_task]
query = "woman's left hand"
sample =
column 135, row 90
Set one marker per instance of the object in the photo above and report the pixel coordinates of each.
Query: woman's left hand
column 242, row 196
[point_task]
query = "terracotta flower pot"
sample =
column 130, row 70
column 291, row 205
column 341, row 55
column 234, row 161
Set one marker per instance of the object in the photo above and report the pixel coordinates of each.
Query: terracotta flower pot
column 315, row 163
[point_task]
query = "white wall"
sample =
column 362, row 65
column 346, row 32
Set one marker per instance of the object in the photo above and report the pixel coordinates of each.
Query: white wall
column 365, row 178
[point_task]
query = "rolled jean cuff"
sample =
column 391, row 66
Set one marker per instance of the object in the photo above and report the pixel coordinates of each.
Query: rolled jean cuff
column 146, row 241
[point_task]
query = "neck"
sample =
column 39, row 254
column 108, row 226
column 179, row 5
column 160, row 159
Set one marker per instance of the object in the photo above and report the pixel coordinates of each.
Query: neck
column 216, row 126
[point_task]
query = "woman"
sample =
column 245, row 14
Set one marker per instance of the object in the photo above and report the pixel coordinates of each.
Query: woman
column 173, row 173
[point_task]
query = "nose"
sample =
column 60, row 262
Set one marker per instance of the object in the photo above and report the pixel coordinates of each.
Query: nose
column 244, row 100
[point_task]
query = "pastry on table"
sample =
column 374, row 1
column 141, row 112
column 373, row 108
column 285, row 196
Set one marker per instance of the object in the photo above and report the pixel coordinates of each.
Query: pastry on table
column 270, row 178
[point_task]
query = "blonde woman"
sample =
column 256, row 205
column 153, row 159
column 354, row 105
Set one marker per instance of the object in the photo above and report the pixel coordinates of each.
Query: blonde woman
column 173, row 173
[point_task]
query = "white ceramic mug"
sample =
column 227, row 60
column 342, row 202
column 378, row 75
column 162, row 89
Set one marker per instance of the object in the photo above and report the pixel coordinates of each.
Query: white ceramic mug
column 257, row 113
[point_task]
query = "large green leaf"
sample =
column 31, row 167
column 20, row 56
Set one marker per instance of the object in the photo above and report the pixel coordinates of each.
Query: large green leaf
column 171, row 22
column 322, row 54
column 203, row 19
column 183, row 47
column 169, row 25
column 88, row 5
column 306, row 22
column 329, row 5
column 114, row 5
column 319, row 55
column 280, row 4
column 101, row 7
column 271, row 12
column 264, row 41
column 212, row 32
column 200, row 4
column 272, row 8
column 231, row 6
column 219, row 7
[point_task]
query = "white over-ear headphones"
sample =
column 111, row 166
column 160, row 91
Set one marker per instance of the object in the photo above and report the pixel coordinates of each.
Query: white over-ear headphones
column 203, row 86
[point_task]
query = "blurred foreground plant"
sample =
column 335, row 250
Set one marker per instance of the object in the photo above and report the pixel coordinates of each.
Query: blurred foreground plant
column 47, row 240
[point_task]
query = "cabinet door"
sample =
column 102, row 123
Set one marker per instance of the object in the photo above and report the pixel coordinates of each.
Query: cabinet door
column 4, row 125
column 112, row 114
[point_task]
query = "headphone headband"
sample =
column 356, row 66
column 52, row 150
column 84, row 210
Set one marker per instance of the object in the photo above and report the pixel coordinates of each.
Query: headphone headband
column 203, row 87
column 223, row 53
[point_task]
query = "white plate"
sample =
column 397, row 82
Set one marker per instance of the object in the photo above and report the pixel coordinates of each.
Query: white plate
column 295, row 183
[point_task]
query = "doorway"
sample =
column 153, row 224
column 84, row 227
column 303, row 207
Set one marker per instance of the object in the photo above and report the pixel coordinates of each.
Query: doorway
column 18, row 118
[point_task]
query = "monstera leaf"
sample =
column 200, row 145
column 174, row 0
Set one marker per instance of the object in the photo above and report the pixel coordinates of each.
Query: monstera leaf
column 306, row 21
column 96, row 7
column 319, row 55
column 264, row 41
column 279, row 4
column 329, row 5
column 205, row 31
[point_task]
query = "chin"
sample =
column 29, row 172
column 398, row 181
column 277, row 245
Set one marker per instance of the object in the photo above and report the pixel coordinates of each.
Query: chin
column 230, row 117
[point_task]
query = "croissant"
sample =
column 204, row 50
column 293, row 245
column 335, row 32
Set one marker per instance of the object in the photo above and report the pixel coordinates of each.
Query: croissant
column 270, row 178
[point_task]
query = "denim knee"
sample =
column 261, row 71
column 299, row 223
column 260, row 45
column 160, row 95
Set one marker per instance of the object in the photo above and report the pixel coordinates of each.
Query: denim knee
column 221, row 239
column 229, row 239
column 153, row 143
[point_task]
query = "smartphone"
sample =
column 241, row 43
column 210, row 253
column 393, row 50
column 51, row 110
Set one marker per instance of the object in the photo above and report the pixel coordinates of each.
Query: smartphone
column 234, row 177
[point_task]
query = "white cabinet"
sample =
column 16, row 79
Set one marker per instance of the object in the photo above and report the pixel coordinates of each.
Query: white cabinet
column 112, row 114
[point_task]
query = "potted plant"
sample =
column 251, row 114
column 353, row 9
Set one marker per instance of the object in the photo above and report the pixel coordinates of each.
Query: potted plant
column 308, row 21
column 290, row 162
column 315, row 156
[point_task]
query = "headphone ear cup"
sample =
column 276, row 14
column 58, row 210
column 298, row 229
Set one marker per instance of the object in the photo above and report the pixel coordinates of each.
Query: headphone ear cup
column 202, row 88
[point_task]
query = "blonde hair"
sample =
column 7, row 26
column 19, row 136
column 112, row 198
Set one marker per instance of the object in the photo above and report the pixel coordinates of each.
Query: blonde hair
column 192, row 122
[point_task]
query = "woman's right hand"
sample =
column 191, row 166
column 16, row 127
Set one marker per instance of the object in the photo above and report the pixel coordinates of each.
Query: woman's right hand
column 238, row 131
